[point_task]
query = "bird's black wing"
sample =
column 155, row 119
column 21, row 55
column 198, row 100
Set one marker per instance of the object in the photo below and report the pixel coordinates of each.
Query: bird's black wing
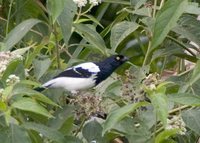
column 77, row 72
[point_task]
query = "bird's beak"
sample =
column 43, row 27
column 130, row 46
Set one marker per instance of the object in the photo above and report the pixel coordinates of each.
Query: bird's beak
column 125, row 59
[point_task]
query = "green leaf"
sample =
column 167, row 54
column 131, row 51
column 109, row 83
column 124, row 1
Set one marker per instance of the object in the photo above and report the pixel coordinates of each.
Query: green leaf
column 19, row 32
column 41, row 66
column 115, row 116
column 159, row 102
column 161, row 137
column 185, row 98
column 48, row 132
column 193, row 8
column 27, row 104
column 191, row 118
column 194, row 78
column 14, row 134
column 21, row 51
column 55, row 7
column 92, row 131
column 64, row 120
column 3, row 106
column 11, row 67
column 188, row 27
column 120, row 31
column 66, row 18
column 90, row 35
column 21, row 89
column 166, row 19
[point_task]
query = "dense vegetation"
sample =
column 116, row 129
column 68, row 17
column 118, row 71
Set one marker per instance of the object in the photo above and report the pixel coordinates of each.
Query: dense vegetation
column 155, row 97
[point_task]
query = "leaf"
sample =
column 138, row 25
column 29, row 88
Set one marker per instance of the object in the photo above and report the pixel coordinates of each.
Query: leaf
column 161, row 137
column 65, row 19
column 21, row 89
column 191, row 118
column 55, row 7
column 64, row 120
column 159, row 102
column 120, row 31
column 188, row 27
column 14, row 134
column 90, row 35
column 19, row 32
column 45, row 131
column 194, row 78
column 22, row 51
column 166, row 19
column 185, row 98
column 41, row 66
column 115, row 116
column 27, row 104
column 193, row 8
column 92, row 131
column 11, row 67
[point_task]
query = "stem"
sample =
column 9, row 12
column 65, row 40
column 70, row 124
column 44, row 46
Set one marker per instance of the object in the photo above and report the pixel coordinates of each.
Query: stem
column 145, row 62
column 154, row 10
column 181, row 44
column 161, row 3
column 178, row 109
column 56, row 45
column 8, row 18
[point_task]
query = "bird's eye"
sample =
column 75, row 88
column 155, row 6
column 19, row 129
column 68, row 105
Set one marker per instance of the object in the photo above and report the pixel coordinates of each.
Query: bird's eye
column 118, row 58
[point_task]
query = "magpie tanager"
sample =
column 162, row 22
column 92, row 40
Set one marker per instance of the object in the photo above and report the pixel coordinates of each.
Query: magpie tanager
column 85, row 75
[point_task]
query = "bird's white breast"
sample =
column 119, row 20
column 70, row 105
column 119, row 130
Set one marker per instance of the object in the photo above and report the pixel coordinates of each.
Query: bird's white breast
column 70, row 84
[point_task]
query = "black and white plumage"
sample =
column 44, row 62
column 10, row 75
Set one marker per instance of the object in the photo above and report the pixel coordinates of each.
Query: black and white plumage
column 85, row 75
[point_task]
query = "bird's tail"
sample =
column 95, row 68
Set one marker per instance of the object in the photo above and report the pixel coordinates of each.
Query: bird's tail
column 39, row 89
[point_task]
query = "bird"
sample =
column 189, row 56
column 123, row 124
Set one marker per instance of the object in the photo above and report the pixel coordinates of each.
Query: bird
column 85, row 75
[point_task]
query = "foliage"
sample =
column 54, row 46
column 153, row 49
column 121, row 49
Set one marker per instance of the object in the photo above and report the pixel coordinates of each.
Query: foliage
column 153, row 98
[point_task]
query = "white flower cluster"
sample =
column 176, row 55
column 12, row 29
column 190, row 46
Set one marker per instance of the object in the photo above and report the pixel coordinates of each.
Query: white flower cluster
column 82, row 3
column 12, row 79
column 6, row 58
column 176, row 122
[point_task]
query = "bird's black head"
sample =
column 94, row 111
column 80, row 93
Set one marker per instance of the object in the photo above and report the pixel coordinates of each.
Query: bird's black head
column 117, row 60
column 108, row 65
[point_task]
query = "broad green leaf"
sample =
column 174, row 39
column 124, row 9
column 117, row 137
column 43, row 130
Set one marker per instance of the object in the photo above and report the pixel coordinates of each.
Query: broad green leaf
column 159, row 101
column 41, row 66
column 92, row 131
column 27, row 104
column 55, row 7
column 115, row 116
column 21, row 89
column 11, row 67
column 193, row 8
column 120, row 31
column 166, row 19
column 14, row 134
column 195, row 77
column 188, row 27
column 19, row 32
column 137, row 3
column 185, row 98
column 22, row 51
column 91, row 36
column 161, row 137
column 64, row 120
column 191, row 118
column 65, row 19
column 48, row 132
